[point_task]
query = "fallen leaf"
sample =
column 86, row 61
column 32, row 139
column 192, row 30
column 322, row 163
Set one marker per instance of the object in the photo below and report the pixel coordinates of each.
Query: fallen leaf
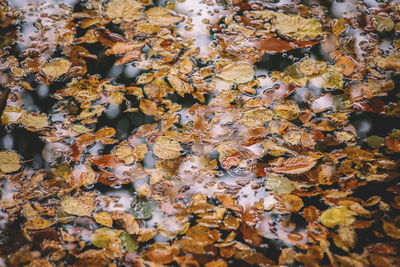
column 295, row 165
column 9, row 162
column 238, row 72
column 166, row 148
column 128, row 10
column 337, row 216
column 56, row 68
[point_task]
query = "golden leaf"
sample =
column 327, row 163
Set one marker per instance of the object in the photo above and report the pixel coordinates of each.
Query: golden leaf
column 56, row 68
column 180, row 86
column 148, row 107
column 34, row 121
column 185, row 65
column 297, row 27
column 103, row 218
column 161, row 16
column 37, row 224
column 9, row 161
column 173, row 225
column 167, row 148
column 104, row 236
column 124, row 153
column 80, row 206
column 391, row 230
column 128, row 10
column 292, row 203
column 336, row 216
column 104, row 133
column 238, row 72
column 287, row 109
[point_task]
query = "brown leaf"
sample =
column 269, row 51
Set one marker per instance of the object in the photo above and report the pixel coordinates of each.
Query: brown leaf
column 295, row 165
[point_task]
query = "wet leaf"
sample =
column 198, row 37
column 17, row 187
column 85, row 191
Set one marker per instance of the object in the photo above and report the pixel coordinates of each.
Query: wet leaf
column 129, row 244
column 103, row 218
column 128, row 10
column 295, row 165
column 161, row 16
column 37, row 224
column 292, row 203
column 238, row 72
column 148, row 107
column 391, row 230
column 34, row 121
column 337, row 216
column 172, row 226
column 104, row 237
column 56, row 68
column 166, row 148
column 80, row 206
column 294, row 26
column 9, row 161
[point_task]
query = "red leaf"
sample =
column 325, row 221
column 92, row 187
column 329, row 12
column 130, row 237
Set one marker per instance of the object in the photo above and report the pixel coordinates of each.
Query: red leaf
column 110, row 161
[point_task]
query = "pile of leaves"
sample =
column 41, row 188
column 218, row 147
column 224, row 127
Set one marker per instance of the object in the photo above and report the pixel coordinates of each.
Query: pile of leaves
column 232, row 164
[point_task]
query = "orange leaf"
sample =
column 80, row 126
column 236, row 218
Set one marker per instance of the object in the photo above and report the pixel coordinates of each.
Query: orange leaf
column 295, row 165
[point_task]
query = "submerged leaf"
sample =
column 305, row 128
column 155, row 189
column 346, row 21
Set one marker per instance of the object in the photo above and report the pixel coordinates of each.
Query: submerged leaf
column 56, row 68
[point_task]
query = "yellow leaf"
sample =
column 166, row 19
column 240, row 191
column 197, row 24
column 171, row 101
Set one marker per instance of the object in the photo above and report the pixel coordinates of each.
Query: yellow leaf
column 337, row 216
column 297, row 27
column 238, row 72
column 9, row 162
column 37, row 224
column 56, row 68
column 34, row 121
column 103, row 218
column 80, row 206
column 166, row 148
column 161, row 16
column 128, row 10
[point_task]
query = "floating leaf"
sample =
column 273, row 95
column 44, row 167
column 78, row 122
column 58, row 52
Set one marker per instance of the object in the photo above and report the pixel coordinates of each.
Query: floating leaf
column 167, row 148
column 238, row 72
column 37, row 224
column 80, row 206
column 128, row 10
column 337, row 216
column 173, row 225
column 104, row 133
column 129, row 244
column 292, row 203
column 56, row 68
column 180, row 86
column 295, row 165
column 104, row 237
column 103, row 218
column 34, row 121
column 161, row 16
column 294, row 26
column 9, row 162
column 148, row 107
column 391, row 230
